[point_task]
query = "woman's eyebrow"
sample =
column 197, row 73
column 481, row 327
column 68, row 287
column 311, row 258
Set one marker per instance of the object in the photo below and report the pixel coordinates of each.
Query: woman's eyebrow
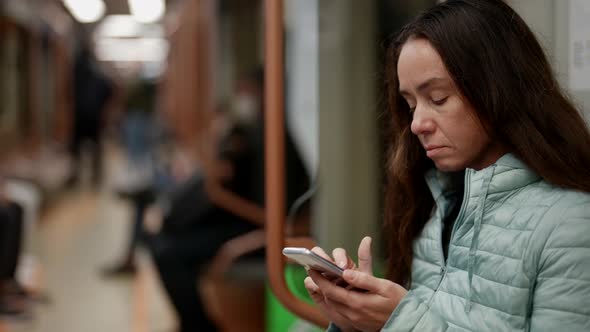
column 425, row 85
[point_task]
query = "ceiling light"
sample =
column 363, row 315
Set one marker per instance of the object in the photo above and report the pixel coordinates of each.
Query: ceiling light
column 86, row 11
column 132, row 50
column 147, row 11
column 118, row 26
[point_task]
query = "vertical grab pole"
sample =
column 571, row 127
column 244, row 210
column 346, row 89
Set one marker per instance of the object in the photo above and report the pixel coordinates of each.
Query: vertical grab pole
column 275, row 164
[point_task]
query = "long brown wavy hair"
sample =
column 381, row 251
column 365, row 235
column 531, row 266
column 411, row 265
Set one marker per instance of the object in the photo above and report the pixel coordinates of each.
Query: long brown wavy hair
column 500, row 68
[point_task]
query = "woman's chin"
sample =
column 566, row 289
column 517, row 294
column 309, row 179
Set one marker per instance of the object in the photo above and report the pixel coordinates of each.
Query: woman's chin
column 447, row 165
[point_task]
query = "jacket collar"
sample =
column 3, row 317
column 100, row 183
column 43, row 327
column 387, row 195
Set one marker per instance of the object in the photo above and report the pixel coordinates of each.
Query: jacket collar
column 510, row 173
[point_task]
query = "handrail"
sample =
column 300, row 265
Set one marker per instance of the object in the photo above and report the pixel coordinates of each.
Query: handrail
column 275, row 164
column 205, row 31
column 234, row 203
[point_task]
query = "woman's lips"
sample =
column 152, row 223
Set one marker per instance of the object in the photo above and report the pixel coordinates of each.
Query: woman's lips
column 433, row 151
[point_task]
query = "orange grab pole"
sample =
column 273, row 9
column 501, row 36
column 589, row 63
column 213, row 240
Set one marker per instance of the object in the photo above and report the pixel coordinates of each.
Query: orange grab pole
column 275, row 164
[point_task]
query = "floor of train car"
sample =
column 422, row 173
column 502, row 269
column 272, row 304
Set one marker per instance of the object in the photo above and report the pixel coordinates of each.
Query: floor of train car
column 78, row 235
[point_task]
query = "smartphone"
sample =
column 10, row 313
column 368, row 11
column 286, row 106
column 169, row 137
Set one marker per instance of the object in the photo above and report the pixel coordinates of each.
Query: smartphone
column 313, row 261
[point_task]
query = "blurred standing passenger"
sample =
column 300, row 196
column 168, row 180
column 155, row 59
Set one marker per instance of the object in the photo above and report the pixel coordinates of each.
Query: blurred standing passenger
column 92, row 91
column 139, row 131
column 138, row 123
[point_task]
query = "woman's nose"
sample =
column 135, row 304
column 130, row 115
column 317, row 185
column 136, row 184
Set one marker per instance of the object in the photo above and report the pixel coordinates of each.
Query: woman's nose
column 422, row 123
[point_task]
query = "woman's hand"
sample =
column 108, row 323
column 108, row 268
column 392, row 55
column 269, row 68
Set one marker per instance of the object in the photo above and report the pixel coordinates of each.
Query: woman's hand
column 318, row 297
column 350, row 308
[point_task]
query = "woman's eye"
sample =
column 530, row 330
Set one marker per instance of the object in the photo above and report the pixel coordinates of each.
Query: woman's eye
column 440, row 101
column 411, row 107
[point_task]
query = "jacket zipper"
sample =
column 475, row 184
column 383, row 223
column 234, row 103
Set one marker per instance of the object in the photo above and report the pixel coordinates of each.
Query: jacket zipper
column 443, row 269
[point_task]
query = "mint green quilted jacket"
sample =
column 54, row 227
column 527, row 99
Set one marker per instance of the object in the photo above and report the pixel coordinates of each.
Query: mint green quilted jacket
column 519, row 258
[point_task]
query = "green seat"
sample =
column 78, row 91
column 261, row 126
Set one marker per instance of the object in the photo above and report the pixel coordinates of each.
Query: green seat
column 279, row 318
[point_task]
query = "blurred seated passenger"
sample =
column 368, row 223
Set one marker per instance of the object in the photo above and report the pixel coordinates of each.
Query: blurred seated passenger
column 13, row 297
column 193, row 229
column 188, row 234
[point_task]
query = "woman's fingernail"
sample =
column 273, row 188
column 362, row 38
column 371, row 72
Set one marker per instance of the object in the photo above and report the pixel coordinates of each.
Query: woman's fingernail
column 343, row 264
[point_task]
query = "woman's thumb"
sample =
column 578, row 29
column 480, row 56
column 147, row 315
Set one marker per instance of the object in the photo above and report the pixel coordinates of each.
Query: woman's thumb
column 364, row 254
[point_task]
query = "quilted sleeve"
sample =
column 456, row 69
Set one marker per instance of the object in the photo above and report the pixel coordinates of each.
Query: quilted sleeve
column 414, row 315
column 561, row 300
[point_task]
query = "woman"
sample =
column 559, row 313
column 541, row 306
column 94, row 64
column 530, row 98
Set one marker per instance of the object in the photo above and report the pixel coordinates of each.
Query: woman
column 488, row 204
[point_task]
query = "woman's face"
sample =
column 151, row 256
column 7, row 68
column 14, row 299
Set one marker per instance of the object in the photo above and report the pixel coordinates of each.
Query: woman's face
column 443, row 120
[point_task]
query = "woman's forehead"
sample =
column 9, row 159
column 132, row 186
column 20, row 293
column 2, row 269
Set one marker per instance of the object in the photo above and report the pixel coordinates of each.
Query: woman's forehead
column 419, row 63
